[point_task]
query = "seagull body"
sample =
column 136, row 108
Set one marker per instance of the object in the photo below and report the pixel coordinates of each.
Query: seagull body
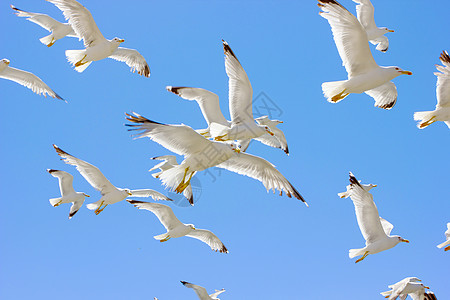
column 97, row 46
column 375, row 35
column 201, row 291
column 110, row 194
column 176, row 229
column 447, row 242
column 375, row 230
column 68, row 194
column 364, row 74
column 57, row 29
column 408, row 286
column 201, row 153
column 209, row 105
column 26, row 79
column 442, row 111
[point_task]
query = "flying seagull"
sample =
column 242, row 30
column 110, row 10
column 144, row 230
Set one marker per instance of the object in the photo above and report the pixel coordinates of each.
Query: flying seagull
column 201, row 291
column 364, row 74
column 408, row 286
column 447, row 237
column 375, row 35
column 26, row 79
column 110, row 194
column 209, row 105
column 375, row 230
column 200, row 154
column 168, row 162
column 176, row 229
column 442, row 111
column 97, row 47
column 68, row 194
column 57, row 29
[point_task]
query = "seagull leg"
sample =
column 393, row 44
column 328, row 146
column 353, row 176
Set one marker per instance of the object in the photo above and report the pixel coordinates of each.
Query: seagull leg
column 52, row 42
column 429, row 122
column 180, row 188
column 447, row 248
column 220, row 138
column 339, row 96
column 364, row 256
column 165, row 239
column 97, row 211
column 186, row 184
column 58, row 204
column 80, row 63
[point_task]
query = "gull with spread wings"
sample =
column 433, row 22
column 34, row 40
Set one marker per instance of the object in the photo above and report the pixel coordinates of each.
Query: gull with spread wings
column 201, row 291
column 176, row 229
column 97, row 46
column 110, row 194
column 364, row 74
column 447, row 242
column 408, row 286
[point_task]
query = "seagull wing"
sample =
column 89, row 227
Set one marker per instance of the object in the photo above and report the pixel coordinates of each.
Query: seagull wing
column 382, row 43
column 65, row 181
column 443, row 82
column 208, row 102
column 81, row 21
column 385, row 95
column 350, row 38
column 365, row 12
column 30, row 81
column 366, row 212
column 163, row 212
column 75, row 208
column 209, row 238
column 240, row 90
column 181, row 139
column 149, row 193
column 216, row 293
column 199, row 290
column 262, row 170
column 419, row 295
column 278, row 140
column 91, row 173
column 398, row 289
column 171, row 159
column 387, row 227
column 133, row 59
column 430, row 296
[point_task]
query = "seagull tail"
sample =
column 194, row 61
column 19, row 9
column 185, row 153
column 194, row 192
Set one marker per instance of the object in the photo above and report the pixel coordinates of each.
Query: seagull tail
column 172, row 178
column 334, row 91
column 356, row 252
column 386, row 294
column 75, row 56
column 161, row 236
column 54, row 201
column 46, row 40
column 95, row 205
column 425, row 118
column 443, row 244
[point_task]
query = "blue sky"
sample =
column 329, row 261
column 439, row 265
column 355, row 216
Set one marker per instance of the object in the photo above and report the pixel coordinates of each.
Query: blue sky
column 296, row 252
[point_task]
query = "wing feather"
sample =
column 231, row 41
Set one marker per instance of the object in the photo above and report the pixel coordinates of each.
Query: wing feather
column 199, row 290
column 163, row 212
column 443, row 82
column 385, row 95
column 209, row 238
column 65, row 181
column 133, row 59
column 42, row 20
column 149, row 193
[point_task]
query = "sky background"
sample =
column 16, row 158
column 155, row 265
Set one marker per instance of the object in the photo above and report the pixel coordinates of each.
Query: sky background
column 279, row 248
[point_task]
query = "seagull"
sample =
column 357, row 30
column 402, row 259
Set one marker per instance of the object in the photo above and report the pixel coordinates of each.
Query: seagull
column 110, row 194
column 375, row 35
column 406, row 287
column 97, row 47
column 200, row 154
column 442, row 111
column 364, row 75
column 366, row 187
column 447, row 237
column 57, row 29
column 68, row 194
column 26, row 79
column 176, row 229
column 375, row 230
column 201, row 291
column 209, row 105
column 170, row 161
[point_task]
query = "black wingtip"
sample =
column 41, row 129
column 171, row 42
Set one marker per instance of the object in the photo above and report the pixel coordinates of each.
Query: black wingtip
column 445, row 58
column 134, row 202
column 51, row 170
column 137, row 118
column 59, row 97
column 184, row 282
column 227, row 49
column 353, row 179
column 72, row 214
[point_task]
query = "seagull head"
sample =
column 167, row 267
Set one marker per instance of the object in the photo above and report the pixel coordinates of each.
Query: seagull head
column 235, row 147
column 371, row 186
column 127, row 191
column 264, row 120
column 387, row 29
column 191, row 226
column 267, row 129
column 400, row 71
column 400, row 239
column 118, row 40
column 5, row 61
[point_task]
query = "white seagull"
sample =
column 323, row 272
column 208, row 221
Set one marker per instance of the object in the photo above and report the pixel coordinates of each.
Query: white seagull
column 408, row 286
column 176, row 229
column 97, row 47
column 170, row 161
column 442, row 111
column 201, row 291
column 200, row 154
column 68, row 194
column 26, row 79
column 110, row 194
column 375, row 230
column 209, row 105
column 447, row 237
column 365, row 12
column 364, row 74
column 57, row 29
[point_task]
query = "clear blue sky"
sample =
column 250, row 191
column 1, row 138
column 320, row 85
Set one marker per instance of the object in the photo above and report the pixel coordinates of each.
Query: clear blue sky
column 287, row 51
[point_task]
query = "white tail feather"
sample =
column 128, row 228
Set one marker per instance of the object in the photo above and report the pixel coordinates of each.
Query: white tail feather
column 94, row 206
column 54, row 201
column 333, row 88
column 443, row 244
column 423, row 117
column 161, row 236
column 74, row 56
column 172, row 178
column 46, row 40
column 355, row 252
column 216, row 129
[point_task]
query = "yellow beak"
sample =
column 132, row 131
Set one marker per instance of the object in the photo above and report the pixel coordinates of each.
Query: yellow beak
column 237, row 150
column 406, row 72
column 129, row 193
column 390, row 30
column 122, row 40
column 406, row 241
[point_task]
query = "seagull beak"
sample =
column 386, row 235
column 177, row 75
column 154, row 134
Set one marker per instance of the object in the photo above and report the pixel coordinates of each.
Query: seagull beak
column 122, row 40
column 404, row 240
column 375, row 185
column 237, row 150
column 389, row 30
column 270, row 132
column 427, row 287
column 406, row 72
column 86, row 195
column 129, row 193
column 281, row 122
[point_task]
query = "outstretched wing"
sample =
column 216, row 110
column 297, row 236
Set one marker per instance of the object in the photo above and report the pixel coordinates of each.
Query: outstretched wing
column 350, row 38
column 443, row 82
column 365, row 12
column 199, row 290
column 81, row 21
column 30, row 81
column 149, row 193
column 65, row 181
column 216, row 293
column 91, row 173
column 387, row 227
column 262, row 170
column 163, row 212
column 133, row 59
column 385, row 95
column 382, row 43
column 209, row 238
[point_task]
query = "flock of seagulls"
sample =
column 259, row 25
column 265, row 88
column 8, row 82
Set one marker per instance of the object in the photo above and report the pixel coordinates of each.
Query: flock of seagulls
column 223, row 143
